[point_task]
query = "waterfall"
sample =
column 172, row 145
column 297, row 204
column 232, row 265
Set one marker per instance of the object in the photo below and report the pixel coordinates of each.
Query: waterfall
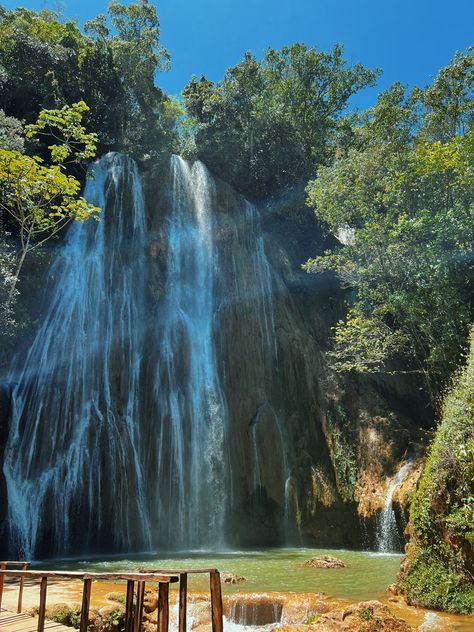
column 188, row 393
column 387, row 536
column 73, row 432
column 122, row 435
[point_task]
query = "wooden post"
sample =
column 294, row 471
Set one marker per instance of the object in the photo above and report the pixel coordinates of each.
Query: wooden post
column 86, row 600
column 129, row 606
column 42, row 604
column 183, row 599
column 216, row 602
column 2, row 568
column 139, row 607
column 163, row 607
column 24, row 567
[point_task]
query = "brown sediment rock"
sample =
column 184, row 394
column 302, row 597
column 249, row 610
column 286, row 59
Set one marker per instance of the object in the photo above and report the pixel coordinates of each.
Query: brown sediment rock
column 366, row 616
column 230, row 578
column 325, row 561
column 150, row 601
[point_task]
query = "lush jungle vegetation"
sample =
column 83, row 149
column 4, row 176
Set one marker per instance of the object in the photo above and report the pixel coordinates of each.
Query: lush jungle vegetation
column 439, row 570
column 394, row 183
column 399, row 193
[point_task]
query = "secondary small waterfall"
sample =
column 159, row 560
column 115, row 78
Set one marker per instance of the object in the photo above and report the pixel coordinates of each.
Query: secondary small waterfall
column 387, row 530
column 122, row 437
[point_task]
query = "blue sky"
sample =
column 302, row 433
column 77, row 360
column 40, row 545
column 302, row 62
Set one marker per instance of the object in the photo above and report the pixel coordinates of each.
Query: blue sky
column 409, row 39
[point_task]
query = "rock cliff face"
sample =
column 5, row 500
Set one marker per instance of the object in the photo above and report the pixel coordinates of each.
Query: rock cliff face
column 310, row 452
column 197, row 399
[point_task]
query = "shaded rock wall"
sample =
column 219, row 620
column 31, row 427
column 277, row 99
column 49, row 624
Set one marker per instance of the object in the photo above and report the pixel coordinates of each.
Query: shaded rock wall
column 310, row 451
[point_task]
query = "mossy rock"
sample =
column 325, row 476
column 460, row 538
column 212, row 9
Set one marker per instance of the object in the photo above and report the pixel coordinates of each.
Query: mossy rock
column 439, row 567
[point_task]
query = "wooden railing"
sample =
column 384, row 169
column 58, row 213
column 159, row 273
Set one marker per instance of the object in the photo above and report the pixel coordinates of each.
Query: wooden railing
column 214, row 587
column 18, row 565
column 133, row 612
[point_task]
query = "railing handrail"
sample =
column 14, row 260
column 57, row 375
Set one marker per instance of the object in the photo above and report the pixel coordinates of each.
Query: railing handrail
column 16, row 564
column 178, row 571
column 147, row 577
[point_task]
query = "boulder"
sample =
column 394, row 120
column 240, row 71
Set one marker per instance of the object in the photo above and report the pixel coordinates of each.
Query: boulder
column 230, row 578
column 324, row 561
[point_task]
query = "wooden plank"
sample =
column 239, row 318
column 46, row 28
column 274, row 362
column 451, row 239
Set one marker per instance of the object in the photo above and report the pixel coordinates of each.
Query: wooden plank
column 163, row 607
column 183, row 600
column 129, row 607
column 42, row 604
column 14, row 622
column 216, row 602
column 177, row 571
column 86, row 600
column 150, row 577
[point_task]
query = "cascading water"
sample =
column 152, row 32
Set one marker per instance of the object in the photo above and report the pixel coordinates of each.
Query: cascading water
column 187, row 388
column 73, row 432
column 387, row 536
column 121, row 434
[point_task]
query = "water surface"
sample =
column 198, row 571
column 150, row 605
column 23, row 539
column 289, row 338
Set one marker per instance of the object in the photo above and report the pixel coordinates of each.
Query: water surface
column 280, row 570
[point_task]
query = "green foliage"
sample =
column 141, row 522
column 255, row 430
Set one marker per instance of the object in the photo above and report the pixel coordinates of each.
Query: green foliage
column 118, row 598
column 68, row 616
column 449, row 102
column 267, row 124
column 401, row 203
column 366, row 613
column 11, row 133
column 441, row 554
column 341, row 441
column 73, row 142
column 38, row 199
column 114, row 622
column 46, row 63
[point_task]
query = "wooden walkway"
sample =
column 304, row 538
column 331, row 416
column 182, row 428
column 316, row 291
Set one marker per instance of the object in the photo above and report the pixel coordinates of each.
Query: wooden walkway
column 13, row 622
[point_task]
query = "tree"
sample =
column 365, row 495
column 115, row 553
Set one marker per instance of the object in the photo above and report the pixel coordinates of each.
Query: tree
column 11, row 133
column 449, row 101
column 133, row 44
column 401, row 202
column 46, row 63
column 268, row 124
column 42, row 199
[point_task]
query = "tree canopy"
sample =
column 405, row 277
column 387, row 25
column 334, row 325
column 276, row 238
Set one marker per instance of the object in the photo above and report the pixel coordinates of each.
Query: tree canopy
column 269, row 123
column 47, row 62
column 399, row 194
